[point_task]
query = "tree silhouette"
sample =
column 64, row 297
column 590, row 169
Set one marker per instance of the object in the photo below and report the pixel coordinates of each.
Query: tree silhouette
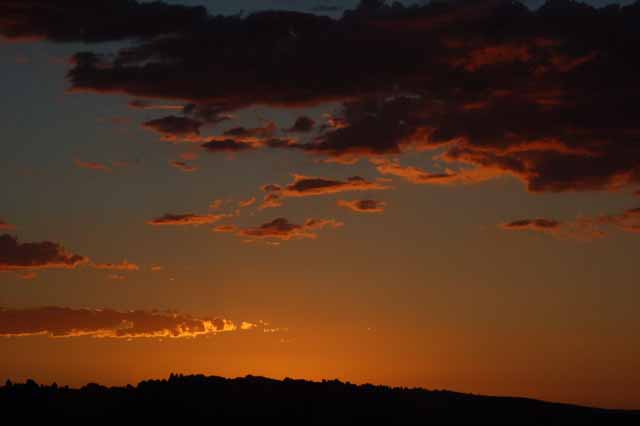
column 260, row 400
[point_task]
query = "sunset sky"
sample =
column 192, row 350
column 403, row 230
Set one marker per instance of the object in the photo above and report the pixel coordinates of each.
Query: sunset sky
column 445, row 196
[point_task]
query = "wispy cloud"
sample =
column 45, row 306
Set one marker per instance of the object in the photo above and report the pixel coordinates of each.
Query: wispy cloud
column 93, row 165
column 225, row 228
column 122, row 266
column 304, row 186
column 582, row 228
column 246, row 203
column 281, row 229
column 183, row 166
column 186, row 219
column 5, row 226
column 363, row 206
column 107, row 323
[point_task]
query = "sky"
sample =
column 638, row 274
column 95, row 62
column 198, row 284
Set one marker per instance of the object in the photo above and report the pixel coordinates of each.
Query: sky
column 444, row 196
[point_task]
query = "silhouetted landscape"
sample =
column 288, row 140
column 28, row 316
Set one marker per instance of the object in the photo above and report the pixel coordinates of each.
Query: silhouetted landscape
column 262, row 400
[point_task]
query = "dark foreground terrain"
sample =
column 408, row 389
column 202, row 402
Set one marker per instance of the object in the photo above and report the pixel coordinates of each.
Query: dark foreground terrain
column 258, row 400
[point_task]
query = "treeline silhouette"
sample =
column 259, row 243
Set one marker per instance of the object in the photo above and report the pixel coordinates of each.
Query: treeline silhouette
column 259, row 400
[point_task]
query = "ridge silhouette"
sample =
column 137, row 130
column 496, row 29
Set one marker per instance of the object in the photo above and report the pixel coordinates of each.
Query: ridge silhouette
column 260, row 400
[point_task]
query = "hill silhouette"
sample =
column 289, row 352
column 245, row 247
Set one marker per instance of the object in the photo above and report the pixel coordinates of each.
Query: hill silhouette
column 259, row 400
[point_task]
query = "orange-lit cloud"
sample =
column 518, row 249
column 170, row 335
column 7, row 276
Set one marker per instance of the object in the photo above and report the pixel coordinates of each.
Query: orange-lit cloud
column 175, row 128
column 412, row 174
column 142, row 104
column 16, row 256
column 541, row 225
column 226, row 144
column 216, row 204
column 419, row 176
column 188, row 156
column 4, row 225
column 186, row 219
column 245, row 325
column 282, row 229
column 225, row 228
column 582, row 228
column 240, row 139
column 271, row 200
column 322, row 223
column 303, row 186
column 256, row 133
column 363, row 206
column 247, row 202
column 27, row 275
column 628, row 221
column 493, row 55
column 181, row 165
column 107, row 323
column 92, row 165
column 116, row 277
column 122, row 266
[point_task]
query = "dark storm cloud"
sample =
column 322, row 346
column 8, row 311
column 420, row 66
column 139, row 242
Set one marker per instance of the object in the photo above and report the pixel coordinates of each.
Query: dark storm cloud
column 16, row 256
column 494, row 86
column 227, row 145
column 371, row 127
column 256, row 59
column 208, row 64
column 302, row 124
column 53, row 321
column 326, row 8
column 95, row 20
